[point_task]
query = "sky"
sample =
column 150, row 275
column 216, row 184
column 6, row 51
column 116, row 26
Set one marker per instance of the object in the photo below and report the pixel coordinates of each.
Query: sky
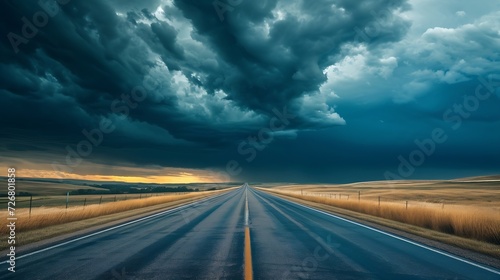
column 260, row 91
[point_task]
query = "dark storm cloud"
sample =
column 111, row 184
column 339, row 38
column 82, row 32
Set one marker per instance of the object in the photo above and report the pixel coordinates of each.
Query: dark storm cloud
column 217, row 80
column 269, row 68
column 167, row 34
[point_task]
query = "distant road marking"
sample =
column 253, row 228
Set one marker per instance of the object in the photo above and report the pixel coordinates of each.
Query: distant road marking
column 248, row 248
column 394, row 236
column 115, row 227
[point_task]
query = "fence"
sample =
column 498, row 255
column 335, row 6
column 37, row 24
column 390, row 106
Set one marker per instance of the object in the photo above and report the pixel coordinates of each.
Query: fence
column 473, row 222
column 34, row 202
column 357, row 196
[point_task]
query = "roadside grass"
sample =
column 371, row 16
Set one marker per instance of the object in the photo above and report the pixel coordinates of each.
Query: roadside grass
column 37, row 238
column 50, row 216
column 481, row 193
column 464, row 221
column 481, row 247
column 40, row 202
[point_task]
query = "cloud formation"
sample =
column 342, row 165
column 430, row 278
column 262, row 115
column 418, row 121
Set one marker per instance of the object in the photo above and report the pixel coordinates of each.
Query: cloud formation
column 344, row 69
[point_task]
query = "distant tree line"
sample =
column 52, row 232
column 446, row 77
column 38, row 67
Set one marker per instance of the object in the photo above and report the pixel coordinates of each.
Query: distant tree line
column 124, row 189
column 18, row 194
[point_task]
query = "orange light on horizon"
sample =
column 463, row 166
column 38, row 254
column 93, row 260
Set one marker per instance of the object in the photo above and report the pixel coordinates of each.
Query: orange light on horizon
column 182, row 177
column 149, row 179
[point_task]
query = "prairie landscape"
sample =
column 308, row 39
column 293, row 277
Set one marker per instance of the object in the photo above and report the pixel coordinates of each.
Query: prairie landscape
column 468, row 207
column 50, row 209
column 49, row 216
column 273, row 123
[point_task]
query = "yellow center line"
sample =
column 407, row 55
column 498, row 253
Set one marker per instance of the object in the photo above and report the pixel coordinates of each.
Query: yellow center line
column 248, row 256
column 248, row 249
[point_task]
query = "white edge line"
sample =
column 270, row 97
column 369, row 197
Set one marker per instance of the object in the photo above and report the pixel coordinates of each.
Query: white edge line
column 397, row 237
column 112, row 228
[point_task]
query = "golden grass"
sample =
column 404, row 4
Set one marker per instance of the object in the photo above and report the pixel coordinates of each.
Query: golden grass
column 49, row 216
column 483, row 194
column 76, row 200
column 472, row 222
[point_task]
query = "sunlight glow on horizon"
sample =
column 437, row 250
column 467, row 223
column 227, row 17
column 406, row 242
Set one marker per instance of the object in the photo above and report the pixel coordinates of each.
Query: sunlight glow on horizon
column 181, row 178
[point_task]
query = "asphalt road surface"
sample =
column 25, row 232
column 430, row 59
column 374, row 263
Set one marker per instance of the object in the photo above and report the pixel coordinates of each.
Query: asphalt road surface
column 242, row 234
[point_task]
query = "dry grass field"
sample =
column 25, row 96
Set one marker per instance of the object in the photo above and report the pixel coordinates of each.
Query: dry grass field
column 75, row 200
column 49, row 216
column 467, row 208
column 52, row 194
column 478, row 193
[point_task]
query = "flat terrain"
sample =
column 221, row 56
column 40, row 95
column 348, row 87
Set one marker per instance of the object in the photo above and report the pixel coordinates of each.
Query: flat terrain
column 53, row 187
column 40, row 223
column 53, row 193
column 45, row 188
column 464, row 210
column 205, row 240
column 76, row 200
column 476, row 192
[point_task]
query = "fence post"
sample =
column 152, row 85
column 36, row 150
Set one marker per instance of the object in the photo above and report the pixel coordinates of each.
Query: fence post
column 379, row 201
column 100, row 200
column 359, row 195
column 140, row 196
column 67, row 199
column 31, row 200
column 115, row 198
column 84, row 202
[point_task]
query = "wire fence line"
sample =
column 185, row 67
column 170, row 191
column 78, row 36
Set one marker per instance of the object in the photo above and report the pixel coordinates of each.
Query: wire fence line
column 64, row 201
column 358, row 196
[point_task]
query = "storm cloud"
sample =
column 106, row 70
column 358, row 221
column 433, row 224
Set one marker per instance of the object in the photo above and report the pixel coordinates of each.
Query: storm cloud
column 189, row 83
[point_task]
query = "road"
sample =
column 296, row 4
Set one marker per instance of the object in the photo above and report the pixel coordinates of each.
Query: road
column 242, row 234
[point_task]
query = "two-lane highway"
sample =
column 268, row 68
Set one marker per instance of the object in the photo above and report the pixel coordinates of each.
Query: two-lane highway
column 242, row 234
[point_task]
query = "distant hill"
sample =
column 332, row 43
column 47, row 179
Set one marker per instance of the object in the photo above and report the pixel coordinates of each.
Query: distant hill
column 49, row 187
column 41, row 187
column 478, row 178
column 492, row 181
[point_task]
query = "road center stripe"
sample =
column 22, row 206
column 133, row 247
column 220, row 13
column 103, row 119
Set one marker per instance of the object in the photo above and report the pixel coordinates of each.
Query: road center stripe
column 248, row 249
column 248, row 256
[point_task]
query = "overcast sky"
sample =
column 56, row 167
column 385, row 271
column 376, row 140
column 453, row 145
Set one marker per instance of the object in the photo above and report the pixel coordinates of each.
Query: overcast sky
column 272, row 90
